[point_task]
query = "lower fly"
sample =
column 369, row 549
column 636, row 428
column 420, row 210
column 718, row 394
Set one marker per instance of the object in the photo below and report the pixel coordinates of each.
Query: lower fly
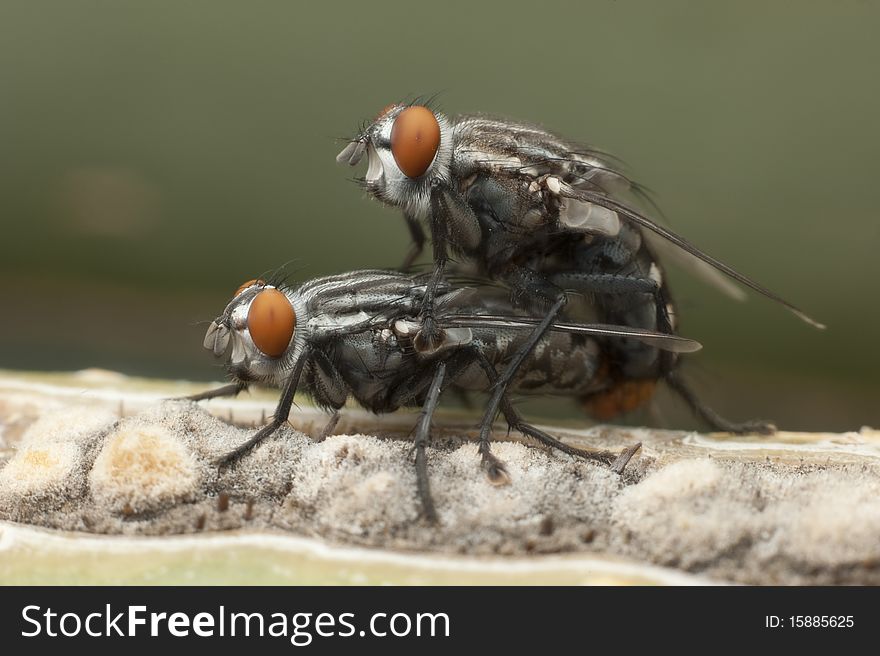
column 353, row 336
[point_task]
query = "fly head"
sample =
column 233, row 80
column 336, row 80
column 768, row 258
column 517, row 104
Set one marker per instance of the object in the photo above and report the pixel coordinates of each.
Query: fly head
column 258, row 332
column 409, row 151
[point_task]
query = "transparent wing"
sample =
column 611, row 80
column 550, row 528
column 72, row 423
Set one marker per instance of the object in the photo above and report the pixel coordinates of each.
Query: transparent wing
column 662, row 341
column 692, row 264
column 586, row 178
column 672, row 238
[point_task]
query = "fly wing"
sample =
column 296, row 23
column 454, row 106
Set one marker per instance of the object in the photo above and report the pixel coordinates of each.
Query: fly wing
column 585, row 179
column 662, row 341
column 599, row 178
column 696, row 266
column 630, row 214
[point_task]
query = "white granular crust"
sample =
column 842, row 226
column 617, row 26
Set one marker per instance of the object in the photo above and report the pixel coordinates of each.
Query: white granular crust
column 152, row 474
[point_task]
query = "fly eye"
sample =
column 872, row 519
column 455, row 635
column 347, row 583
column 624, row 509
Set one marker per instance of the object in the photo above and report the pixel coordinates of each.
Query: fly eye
column 271, row 321
column 249, row 283
column 415, row 139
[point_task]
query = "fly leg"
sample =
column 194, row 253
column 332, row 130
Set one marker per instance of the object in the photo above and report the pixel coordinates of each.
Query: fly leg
column 423, row 433
column 626, row 277
column 414, row 387
column 452, row 223
column 418, row 241
column 233, row 389
column 329, row 427
column 515, row 420
column 494, row 468
column 529, row 284
column 617, row 284
column 430, row 336
column 716, row 421
column 638, row 301
column 618, row 461
column 282, row 412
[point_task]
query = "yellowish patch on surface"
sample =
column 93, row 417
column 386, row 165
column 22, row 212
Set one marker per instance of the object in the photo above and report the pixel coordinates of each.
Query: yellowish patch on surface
column 39, row 458
column 38, row 469
column 140, row 468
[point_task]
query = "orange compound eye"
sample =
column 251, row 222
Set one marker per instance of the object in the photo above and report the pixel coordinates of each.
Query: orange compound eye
column 271, row 321
column 415, row 139
column 255, row 281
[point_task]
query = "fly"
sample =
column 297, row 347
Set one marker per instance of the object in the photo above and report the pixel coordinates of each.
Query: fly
column 353, row 336
column 544, row 216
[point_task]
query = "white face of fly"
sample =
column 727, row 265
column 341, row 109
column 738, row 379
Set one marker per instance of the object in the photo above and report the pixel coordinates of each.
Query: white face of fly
column 257, row 332
column 409, row 149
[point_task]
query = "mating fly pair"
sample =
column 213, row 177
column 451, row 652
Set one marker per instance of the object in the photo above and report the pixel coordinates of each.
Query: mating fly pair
column 548, row 219
column 353, row 336
column 586, row 312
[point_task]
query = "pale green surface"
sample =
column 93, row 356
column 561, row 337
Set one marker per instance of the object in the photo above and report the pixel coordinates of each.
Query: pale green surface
column 156, row 154
column 33, row 557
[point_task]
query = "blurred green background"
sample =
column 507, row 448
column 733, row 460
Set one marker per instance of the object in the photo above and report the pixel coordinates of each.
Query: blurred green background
column 153, row 155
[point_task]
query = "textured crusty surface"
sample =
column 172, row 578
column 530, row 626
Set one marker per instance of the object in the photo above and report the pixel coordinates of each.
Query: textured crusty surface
column 794, row 509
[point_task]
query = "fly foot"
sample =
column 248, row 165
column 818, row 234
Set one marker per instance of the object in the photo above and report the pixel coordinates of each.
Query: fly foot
column 625, row 456
column 495, row 470
column 755, row 426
